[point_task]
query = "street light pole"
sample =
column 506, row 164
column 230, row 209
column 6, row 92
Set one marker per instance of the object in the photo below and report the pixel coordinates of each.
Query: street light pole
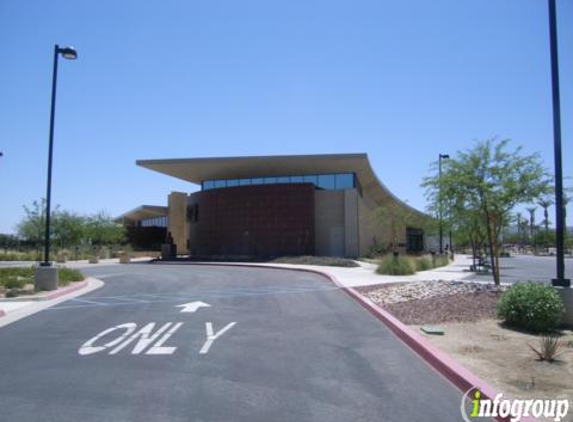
column 559, row 220
column 440, row 157
column 71, row 54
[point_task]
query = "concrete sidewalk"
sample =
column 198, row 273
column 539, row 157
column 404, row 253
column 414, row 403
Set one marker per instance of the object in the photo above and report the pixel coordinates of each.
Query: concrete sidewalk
column 365, row 275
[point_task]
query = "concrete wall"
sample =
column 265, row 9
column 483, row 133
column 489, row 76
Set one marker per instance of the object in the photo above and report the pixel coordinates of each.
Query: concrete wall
column 351, row 223
column 336, row 223
column 329, row 222
column 178, row 225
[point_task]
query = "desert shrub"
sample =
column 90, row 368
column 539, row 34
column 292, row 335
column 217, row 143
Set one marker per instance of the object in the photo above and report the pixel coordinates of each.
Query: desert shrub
column 550, row 348
column 396, row 265
column 423, row 263
column 531, row 306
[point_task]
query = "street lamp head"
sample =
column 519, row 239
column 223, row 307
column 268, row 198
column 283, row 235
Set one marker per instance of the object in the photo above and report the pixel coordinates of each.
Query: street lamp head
column 444, row 156
column 69, row 53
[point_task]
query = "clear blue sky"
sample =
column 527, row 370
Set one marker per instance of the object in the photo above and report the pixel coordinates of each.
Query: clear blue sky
column 401, row 80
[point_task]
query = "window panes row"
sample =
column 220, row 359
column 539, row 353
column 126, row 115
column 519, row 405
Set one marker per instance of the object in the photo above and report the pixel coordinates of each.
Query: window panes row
column 321, row 181
column 154, row 222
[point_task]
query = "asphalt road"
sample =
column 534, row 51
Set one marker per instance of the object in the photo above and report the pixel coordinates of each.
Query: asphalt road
column 300, row 350
column 528, row 268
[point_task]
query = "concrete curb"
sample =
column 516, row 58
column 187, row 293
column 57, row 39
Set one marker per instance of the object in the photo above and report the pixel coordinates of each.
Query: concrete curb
column 50, row 295
column 66, row 290
column 455, row 373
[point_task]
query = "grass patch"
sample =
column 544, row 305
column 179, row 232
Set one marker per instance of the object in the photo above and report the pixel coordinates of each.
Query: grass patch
column 396, row 265
column 423, row 264
column 19, row 256
column 329, row 261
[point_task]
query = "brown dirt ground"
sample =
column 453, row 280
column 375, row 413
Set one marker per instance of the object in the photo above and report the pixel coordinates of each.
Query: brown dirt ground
column 495, row 353
column 502, row 357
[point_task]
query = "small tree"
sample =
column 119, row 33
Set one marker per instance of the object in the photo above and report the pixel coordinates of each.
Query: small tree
column 101, row 229
column 397, row 218
column 69, row 228
column 31, row 228
column 490, row 181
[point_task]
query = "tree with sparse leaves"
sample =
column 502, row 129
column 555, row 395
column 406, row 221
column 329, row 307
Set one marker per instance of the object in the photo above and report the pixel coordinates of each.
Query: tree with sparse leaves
column 490, row 180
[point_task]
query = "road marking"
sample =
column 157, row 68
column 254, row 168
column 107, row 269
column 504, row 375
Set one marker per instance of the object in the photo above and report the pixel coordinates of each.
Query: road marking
column 210, row 294
column 87, row 348
column 145, row 335
column 108, row 275
column 193, row 306
column 211, row 337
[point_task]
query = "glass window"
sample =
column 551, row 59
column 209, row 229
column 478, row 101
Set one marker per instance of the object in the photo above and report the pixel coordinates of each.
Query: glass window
column 220, row 183
column 244, row 182
column 344, row 181
column 283, row 179
column 232, row 182
column 257, row 180
column 270, row 180
column 296, row 179
column 208, row 184
column 326, row 181
column 311, row 179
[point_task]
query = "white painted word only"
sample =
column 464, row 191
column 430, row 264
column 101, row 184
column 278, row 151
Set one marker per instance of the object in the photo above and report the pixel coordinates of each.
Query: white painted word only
column 147, row 339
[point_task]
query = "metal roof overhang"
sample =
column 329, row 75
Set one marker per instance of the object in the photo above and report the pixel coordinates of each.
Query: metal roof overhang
column 196, row 170
column 143, row 212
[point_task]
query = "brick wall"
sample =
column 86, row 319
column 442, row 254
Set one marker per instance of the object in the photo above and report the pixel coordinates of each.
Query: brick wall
column 261, row 220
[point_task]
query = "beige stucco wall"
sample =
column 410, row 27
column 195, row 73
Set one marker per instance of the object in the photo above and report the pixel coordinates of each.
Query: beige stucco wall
column 351, row 223
column 336, row 223
column 329, row 223
column 373, row 229
column 178, row 225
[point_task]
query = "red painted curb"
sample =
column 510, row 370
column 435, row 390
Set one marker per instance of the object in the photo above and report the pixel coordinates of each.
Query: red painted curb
column 66, row 290
column 459, row 376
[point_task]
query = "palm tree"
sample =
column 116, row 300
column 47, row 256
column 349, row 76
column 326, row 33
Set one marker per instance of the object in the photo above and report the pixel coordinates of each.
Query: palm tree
column 531, row 221
column 546, row 203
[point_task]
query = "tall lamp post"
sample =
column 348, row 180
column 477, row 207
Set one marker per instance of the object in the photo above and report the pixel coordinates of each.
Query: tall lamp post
column 440, row 158
column 70, row 54
column 560, row 280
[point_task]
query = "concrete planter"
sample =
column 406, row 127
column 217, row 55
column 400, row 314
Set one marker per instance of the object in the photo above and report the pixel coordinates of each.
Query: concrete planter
column 566, row 294
column 124, row 258
column 46, row 278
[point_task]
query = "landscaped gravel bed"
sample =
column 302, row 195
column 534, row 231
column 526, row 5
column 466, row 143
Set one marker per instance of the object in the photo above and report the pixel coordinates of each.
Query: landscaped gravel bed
column 431, row 302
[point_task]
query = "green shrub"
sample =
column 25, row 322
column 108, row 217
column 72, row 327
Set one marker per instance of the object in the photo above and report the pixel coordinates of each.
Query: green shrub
column 16, row 277
column 531, row 306
column 14, row 283
column 423, row 264
column 67, row 275
column 441, row 260
column 396, row 265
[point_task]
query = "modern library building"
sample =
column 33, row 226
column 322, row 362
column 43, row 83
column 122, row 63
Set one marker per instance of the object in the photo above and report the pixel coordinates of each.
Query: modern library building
column 267, row 206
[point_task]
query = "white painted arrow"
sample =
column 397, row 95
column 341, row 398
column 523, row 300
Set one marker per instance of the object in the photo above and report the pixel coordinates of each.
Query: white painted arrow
column 193, row 306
